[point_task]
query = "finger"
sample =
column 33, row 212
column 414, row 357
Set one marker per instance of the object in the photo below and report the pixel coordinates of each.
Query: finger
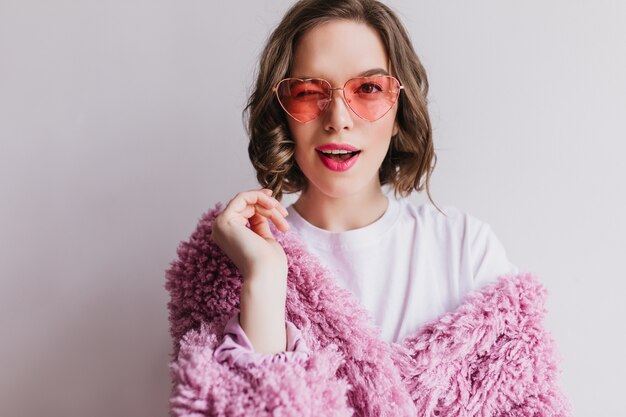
column 260, row 226
column 242, row 218
column 270, row 202
column 254, row 197
column 279, row 220
column 268, row 208
column 282, row 208
column 275, row 215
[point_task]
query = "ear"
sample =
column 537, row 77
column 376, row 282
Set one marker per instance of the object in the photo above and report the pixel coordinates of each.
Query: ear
column 396, row 129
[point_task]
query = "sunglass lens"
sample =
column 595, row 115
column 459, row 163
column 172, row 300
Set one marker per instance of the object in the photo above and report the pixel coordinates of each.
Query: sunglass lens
column 372, row 97
column 303, row 100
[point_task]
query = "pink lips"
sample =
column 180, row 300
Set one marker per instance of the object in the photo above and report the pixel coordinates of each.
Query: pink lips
column 335, row 146
column 337, row 166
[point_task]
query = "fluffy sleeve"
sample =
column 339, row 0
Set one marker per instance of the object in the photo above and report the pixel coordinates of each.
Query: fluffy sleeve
column 490, row 357
column 204, row 286
column 204, row 387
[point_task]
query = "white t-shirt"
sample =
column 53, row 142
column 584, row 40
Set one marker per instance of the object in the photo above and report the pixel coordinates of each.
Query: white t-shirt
column 411, row 265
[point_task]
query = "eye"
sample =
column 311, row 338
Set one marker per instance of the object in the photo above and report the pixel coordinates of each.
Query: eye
column 306, row 90
column 369, row 88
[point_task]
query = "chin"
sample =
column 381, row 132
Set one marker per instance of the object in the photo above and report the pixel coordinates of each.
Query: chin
column 340, row 189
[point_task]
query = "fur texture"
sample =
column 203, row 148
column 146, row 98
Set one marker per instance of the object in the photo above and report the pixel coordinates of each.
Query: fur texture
column 489, row 357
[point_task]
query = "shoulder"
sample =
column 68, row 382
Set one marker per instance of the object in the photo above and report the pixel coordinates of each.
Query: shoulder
column 461, row 236
column 456, row 225
column 451, row 220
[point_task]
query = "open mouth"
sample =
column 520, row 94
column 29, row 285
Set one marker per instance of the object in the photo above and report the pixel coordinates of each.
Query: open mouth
column 339, row 160
column 339, row 155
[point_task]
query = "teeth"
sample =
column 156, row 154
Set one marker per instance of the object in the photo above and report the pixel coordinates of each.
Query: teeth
column 337, row 151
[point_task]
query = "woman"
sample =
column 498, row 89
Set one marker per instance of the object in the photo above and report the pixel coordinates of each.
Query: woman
column 338, row 111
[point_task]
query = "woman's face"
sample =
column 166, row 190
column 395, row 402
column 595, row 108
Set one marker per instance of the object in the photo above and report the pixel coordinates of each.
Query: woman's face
column 337, row 51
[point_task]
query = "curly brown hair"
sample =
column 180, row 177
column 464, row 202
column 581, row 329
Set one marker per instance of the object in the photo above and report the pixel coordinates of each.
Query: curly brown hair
column 411, row 158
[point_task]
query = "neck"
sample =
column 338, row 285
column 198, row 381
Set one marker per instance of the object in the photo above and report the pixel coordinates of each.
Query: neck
column 344, row 213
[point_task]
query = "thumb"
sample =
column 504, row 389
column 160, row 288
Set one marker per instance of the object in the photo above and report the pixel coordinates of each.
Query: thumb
column 260, row 226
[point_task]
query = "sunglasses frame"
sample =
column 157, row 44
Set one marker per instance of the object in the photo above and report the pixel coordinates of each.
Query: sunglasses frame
column 332, row 89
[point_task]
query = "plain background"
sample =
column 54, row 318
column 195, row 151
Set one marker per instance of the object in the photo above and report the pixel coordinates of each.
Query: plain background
column 120, row 124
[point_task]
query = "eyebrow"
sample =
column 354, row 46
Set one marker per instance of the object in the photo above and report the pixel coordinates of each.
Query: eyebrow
column 374, row 71
column 367, row 73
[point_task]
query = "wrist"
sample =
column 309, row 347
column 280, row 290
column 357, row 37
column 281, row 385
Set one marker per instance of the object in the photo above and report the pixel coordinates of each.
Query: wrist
column 265, row 277
column 264, row 287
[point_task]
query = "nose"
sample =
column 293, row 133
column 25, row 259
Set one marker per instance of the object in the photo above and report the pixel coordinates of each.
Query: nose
column 337, row 115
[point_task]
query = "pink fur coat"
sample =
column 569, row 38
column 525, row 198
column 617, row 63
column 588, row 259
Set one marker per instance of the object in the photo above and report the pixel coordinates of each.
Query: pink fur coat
column 489, row 357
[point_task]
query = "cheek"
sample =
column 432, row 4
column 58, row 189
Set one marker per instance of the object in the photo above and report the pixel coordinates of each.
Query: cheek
column 299, row 156
column 295, row 130
column 383, row 133
column 387, row 126
column 302, row 134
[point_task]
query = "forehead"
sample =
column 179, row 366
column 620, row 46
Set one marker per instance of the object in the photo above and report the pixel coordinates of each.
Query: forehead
column 338, row 50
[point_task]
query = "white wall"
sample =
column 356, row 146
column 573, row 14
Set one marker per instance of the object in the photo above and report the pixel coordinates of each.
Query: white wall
column 120, row 124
